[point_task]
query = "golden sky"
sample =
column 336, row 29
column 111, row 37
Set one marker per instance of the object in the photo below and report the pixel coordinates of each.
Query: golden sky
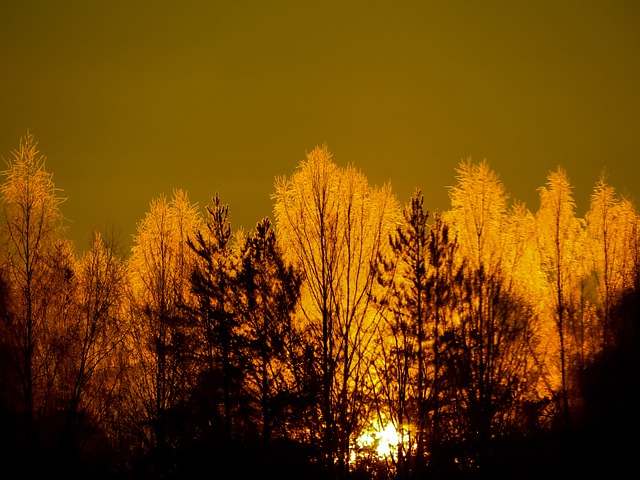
column 129, row 100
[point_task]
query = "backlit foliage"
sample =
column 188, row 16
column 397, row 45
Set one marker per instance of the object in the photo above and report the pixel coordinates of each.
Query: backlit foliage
column 333, row 226
column 561, row 252
column 160, row 264
column 477, row 215
column 611, row 240
column 349, row 338
column 34, row 268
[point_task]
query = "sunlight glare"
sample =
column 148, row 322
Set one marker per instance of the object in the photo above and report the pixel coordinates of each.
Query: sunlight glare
column 384, row 440
column 388, row 440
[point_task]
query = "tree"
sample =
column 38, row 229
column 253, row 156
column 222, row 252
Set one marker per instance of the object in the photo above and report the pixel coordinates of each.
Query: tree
column 485, row 351
column 333, row 225
column 490, row 341
column 401, row 369
column 32, row 222
column 611, row 237
column 417, row 278
column 270, row 290
column 159, row 344
column 213, row 282
column 477, row 214
column 97, row 334
column 559, row 233
column 524, row 279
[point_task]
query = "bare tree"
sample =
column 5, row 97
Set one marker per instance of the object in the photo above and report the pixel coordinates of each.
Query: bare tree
column 559, row 233
column 97, row 334
column 333, row 225
column 31, row 225
column 485, row 351
column 160, row 263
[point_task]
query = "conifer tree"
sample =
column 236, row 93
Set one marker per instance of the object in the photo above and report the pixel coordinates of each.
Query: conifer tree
column 417, row 277
column 402, row 367
column 270, row 291
column 214, row 284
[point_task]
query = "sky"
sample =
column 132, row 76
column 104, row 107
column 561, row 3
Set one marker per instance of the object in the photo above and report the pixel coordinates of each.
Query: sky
column 131, row 100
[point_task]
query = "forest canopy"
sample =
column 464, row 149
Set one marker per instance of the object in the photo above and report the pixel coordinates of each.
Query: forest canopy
column 351, row 333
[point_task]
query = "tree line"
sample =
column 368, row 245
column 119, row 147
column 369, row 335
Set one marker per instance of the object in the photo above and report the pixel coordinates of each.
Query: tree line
column 488, row 339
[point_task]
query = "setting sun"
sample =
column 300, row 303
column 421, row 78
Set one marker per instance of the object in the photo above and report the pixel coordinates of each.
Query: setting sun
column 319, row 241
column 383, row 440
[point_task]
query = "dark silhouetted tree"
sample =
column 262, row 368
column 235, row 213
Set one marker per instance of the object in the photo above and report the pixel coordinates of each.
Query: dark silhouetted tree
column 214, row 283
column 270, row 290
column 417, row 278
column 97, row 335
column 487, row 345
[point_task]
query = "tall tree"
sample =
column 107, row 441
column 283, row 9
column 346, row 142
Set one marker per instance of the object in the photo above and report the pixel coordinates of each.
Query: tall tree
column 401, row 367
column 610, row 230
column 524, row 279
column 559, row 233
column 417, row 279
column 214, row 284
column 333, row 225
column 31, row 224
column 98, row 332
column 160, row 263
column 270, row 290
column 477, row 214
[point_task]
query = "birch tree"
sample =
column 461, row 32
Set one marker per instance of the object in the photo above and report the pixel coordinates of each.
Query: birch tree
column 477, row 214
column 31, row 224
column 160, row 264
column 559, row 233
column 333, row 225
column 611, row 231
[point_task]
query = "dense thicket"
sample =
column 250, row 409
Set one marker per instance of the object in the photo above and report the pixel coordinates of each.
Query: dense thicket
column 347, row 337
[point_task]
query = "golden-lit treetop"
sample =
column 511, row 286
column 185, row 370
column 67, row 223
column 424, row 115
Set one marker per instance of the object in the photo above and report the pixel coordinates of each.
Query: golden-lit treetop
column 477, row 215
column 160, row 256
column 30, row 201
column 332, row 223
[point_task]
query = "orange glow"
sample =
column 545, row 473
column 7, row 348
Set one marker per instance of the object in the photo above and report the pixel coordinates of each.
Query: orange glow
column 384, row 440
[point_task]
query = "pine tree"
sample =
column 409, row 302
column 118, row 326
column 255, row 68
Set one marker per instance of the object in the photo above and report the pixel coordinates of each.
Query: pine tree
column 214, row 284
column 417, row 278
column 270, row 291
